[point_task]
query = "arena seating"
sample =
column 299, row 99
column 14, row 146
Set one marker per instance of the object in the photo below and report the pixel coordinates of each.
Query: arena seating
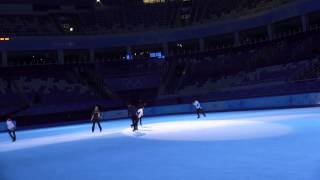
column 49, row 84
column 119, row 17
column 233, row 72
column 34, row 24
column 245, row 65
column 72, row 86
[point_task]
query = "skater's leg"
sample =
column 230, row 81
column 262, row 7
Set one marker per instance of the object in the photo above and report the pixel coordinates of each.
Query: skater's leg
column 93, row 125
column 14, row 135
column 98, row 122
column 10, row 134
column 140, row 120
column 132, row 121
column 198, row 113
column 203, row 113
column 135, row 124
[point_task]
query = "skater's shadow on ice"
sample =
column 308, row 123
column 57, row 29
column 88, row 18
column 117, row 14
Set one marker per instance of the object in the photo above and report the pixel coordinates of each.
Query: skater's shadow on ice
column 139, row 134
column 146, row 127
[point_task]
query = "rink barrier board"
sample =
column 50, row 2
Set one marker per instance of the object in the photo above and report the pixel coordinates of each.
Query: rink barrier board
column 297, row 100
column 3, row 126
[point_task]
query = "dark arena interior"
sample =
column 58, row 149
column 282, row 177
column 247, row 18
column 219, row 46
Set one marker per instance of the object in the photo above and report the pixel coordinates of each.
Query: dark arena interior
column 159, row 89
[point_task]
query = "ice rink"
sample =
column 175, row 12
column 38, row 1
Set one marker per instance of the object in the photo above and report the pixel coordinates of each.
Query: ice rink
column 250, row 145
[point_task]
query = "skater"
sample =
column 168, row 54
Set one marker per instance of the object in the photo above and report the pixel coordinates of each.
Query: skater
column 96, row 117
column 132, row 113
column 140, row 114
column 198, row 108
column 11, row 125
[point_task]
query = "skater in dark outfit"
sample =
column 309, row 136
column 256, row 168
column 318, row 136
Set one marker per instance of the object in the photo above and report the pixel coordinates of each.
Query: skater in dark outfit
column 132, row 113
column 199, row 109
column 96, row 117
column 11, row 126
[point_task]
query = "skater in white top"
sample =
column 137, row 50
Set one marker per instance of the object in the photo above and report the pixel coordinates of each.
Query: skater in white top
column 140, row 114
column 11, row 125
column 199, row 109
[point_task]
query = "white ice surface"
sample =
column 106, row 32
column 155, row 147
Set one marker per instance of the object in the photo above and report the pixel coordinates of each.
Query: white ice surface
column 253, row 145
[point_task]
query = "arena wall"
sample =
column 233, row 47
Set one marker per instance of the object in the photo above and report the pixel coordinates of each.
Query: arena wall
column 288, row 101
